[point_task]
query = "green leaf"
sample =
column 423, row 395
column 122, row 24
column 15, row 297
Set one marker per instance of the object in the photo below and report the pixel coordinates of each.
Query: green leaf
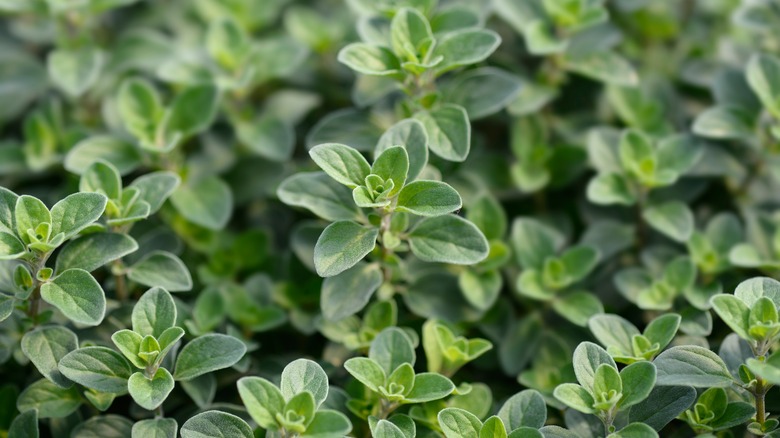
column 662, row 406
column 92, row 251
column 207, row 202
column 366, row 371
column 206, row 354
column 734, row 313
column 7, row 305
column 320, row 194
column 140, row 108
column 263, row 400
column 578, row 307
column 154, row 313
column 587, row 358
column 458, row 423
column 155, row 428
column 750, row 290
column 10, row 246
column 392, row 164
column 391, row 348
column 328, row 424
column 483, row 91
column 347, row 293
column 102, row 177
column 216, row 424
column 428, row 198
column 76, row 212
column 663, row 329
column 465, row 47
column 342, row 163
column 448, row 239
column 724, row 122
column 674, row 219
column 768, row 369
column 193, row 111
column 635, row 430
column 613, row 332
column 341, row 246
column 763, row 75
column 692, row 365
column 449, row 131
column 386, row 429
column 525, row 409
column 122, row 155
column 481, row 290
column 610, row 188
column 129, row 344
column 108, row 426
column 50, row 400
column 77, row 295
column 608, row 67
column 98, row 368
column 29, row 213
column 575, row 397
column 429, row 387
column 410, row 34
column 533, row 242
column 369, row 59
column 25, row 425
column 8, row 201
column 45, row 346
column 494, row 428
column 579, row 261
column 304, row 375
column 267, row 136
column 156, row 187
column 638, row 380
column 75, row 71
column 150, row 393
column 161, row 269
column 410, row 134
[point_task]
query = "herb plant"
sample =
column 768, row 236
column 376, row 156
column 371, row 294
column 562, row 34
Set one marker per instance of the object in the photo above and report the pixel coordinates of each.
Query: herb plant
column 389, row 218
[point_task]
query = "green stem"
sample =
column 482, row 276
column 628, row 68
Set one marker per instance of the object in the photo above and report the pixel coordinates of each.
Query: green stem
column 120, row 282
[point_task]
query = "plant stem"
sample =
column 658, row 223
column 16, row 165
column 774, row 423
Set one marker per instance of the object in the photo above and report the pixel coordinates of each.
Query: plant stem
column 158, row 413
column 760, row 395
column 120, row 282
column 34, row 307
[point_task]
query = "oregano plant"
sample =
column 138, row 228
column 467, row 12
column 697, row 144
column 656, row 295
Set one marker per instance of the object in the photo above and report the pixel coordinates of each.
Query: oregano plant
column 389, row 218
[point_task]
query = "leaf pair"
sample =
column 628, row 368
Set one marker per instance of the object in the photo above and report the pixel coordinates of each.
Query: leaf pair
column 295, row 407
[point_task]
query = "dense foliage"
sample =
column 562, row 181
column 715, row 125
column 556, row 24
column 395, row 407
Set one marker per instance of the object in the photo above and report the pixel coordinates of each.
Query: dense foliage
column 389, row 218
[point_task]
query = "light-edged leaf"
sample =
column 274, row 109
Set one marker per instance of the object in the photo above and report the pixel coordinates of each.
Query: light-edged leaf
column 98, row 368
column 448, row 239
column 92, row 251
column 207, row 202
column 50, row 400
column 692, row 365
column 304, row 375
column 208, row 353
column 150, row 393
column 155, row 428
column 341, row 246
column 154, row 313
column 216, row 424
column 449, row 131
column 428, row 198
column 161, row 269
column 263, row 400
column 347, row 293
column 342, row 163
column 320, row 194
column 77, row 295
column 45, row 346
